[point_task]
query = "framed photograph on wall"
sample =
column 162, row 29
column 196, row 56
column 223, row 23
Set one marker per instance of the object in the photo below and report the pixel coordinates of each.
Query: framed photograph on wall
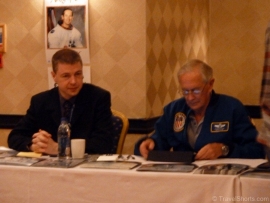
column 66, row 26
column 2, row 38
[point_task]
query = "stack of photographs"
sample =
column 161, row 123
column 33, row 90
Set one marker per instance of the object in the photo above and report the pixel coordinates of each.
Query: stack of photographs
column 171, row 167
column 222, row 169
column 19, row 161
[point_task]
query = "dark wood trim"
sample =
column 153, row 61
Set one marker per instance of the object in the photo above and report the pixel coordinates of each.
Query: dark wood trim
column 142, row 125
column 9, row 121
column 254, row 111
column 136, row 126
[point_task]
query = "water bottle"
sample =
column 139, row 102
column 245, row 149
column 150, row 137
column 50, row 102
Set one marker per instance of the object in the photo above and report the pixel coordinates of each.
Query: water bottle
column 63, row 136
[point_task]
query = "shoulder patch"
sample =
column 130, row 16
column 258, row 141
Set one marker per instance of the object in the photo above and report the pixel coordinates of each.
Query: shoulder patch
column 219, row 127
column 179, row 122
column 52, row 31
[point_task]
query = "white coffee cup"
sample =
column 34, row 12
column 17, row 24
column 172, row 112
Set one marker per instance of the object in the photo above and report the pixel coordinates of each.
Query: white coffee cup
column 77, row 148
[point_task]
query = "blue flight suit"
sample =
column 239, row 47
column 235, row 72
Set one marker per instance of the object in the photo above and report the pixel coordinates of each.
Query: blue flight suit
column 226, row 121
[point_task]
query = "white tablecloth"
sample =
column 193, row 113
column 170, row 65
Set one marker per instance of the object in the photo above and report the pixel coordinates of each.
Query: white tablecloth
column 80, row 185
column 255, row 188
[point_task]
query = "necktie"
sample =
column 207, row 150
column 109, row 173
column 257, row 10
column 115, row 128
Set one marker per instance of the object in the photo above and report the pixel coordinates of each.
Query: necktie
column 67, row 106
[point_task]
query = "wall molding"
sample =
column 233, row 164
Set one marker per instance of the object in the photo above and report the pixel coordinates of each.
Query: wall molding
column 9, row 121
column 136, row 126
column 254, row 111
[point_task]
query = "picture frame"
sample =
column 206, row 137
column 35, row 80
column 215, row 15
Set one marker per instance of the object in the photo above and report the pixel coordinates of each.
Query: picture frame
column 2, row 38
column 54, row 19
column 53, row 11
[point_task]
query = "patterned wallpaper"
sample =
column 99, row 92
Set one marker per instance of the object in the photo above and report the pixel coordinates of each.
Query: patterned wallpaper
column 24, row 72
column 136, row 57
column 176, row 31
column 137, row 47
column 117, row 46
column 236, row 47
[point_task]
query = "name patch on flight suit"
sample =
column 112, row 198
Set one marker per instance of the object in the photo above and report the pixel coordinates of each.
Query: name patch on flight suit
column 219, row 126
column 179, row 122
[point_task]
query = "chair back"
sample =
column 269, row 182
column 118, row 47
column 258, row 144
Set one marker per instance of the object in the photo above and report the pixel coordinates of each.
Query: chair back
column 120, row 126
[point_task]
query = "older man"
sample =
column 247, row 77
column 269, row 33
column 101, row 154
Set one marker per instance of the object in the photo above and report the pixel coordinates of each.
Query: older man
column 210, row 124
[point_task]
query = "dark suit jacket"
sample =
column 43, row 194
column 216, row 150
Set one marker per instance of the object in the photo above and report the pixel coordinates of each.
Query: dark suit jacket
column 91, row 119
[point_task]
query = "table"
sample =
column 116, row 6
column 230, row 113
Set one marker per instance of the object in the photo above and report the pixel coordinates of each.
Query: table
column 81, row 185
column 255, row 187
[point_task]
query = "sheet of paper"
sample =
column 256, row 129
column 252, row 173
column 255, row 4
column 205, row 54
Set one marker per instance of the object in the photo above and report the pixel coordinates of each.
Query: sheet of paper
column 250, row 162
column 29, row 154
column 108, row 157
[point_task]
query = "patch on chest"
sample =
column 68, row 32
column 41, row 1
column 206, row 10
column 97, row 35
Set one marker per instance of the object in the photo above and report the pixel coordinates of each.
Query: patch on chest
column 219, row 126
column 179, row 122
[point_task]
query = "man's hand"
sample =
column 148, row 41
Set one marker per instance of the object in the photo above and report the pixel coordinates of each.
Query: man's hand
column 42, row 142
column 210, row 151
column 261, row 140
column 146, row 146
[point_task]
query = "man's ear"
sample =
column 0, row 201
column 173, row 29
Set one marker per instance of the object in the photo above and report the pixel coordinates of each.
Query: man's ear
column 53, row 75
column 211, row 84
column 212, row 81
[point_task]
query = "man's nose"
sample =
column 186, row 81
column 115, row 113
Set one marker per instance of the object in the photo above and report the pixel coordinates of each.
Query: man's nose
column 72, row 79
column 189, row 96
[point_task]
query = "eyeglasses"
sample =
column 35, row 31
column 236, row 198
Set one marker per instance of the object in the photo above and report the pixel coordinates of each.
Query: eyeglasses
column 195, row 91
